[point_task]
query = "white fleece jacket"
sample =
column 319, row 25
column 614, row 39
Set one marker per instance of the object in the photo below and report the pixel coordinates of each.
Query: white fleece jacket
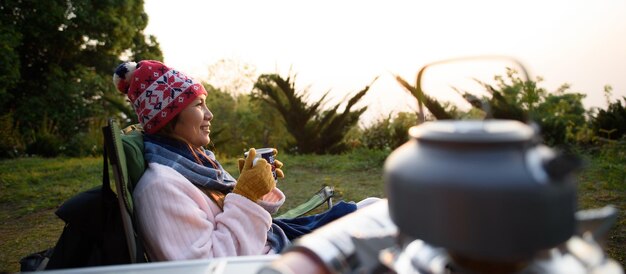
column 177, row 221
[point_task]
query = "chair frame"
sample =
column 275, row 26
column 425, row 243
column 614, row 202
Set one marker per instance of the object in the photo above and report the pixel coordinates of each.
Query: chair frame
column 117, row 159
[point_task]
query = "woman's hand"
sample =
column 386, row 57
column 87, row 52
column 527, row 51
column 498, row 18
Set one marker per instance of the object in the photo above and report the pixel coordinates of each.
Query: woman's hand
column 255, row 180
column 277, row 165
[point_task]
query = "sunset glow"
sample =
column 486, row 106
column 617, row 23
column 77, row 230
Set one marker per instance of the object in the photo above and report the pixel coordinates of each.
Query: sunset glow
column 343, row 45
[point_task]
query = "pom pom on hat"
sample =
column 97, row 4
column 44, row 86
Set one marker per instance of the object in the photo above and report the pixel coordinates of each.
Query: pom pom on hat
column 157, row 93
column 122, row 76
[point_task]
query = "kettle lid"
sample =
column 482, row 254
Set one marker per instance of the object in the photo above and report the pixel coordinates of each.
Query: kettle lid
column 473, row 131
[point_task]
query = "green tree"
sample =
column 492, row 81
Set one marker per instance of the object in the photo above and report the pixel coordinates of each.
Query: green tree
column 66, row 51
column 314, row 129
column 9, row 60
column 241, row 122
column 560, row 115
column 438, row 110
column 233, row 76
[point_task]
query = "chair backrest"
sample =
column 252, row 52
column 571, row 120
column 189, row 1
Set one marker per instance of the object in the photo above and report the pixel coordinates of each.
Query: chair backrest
column 132, row 142
column 125, row 153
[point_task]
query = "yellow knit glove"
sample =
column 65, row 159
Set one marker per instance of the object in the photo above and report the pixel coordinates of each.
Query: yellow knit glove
column 254, row 181
column 279, row 172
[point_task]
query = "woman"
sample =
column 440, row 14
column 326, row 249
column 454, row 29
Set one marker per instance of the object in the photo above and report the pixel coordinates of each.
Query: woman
column 187, row 205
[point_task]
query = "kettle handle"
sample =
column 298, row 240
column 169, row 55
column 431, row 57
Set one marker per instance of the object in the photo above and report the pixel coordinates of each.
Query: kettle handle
column 562, row 165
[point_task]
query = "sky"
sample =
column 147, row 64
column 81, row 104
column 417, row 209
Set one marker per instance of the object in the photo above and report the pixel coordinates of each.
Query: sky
column 341, row 46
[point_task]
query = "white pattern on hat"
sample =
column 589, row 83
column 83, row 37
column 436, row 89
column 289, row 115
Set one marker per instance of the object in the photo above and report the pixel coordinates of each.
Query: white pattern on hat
column 160, row 92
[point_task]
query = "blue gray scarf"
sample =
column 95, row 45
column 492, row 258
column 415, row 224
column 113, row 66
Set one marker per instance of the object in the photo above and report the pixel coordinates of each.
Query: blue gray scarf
column 176, row 154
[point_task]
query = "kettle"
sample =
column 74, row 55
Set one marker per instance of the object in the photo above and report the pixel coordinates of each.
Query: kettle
column 482, row 189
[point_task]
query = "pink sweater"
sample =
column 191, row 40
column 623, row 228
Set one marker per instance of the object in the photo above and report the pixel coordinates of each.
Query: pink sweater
column 177, row 221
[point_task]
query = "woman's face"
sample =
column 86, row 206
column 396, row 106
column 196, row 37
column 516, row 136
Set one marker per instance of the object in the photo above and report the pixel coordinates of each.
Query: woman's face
column 194, row 123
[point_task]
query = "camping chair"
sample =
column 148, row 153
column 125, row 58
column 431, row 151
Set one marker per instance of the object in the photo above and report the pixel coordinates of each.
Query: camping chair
column 324, row 195
column 125, row 151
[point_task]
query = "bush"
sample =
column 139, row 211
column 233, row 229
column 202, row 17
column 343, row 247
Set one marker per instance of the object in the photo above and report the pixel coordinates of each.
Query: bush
column 388, row 133
column 44, row 141
column 81, row 145
column 11, row 144
column 45, row 145
column 87, row 142
column 611, row 123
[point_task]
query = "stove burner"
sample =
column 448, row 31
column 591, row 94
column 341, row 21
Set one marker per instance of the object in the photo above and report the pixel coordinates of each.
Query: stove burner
column 577, row 255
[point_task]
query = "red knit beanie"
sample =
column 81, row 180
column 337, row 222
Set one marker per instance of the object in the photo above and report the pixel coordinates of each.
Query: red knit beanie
column 157, row 93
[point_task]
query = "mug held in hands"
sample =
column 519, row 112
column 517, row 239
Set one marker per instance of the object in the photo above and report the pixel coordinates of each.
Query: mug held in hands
column 266, row 153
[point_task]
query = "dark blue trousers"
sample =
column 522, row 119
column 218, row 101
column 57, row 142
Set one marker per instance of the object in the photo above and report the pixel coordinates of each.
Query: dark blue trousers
column 299, row 226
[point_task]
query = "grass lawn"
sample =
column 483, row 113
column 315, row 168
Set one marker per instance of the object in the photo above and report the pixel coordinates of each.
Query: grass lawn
column 32, row 188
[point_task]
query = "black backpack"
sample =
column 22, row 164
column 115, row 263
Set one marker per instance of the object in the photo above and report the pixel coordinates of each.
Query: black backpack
column 93, row 234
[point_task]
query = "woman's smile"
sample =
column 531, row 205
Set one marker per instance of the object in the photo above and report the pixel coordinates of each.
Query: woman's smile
column 206, row 129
